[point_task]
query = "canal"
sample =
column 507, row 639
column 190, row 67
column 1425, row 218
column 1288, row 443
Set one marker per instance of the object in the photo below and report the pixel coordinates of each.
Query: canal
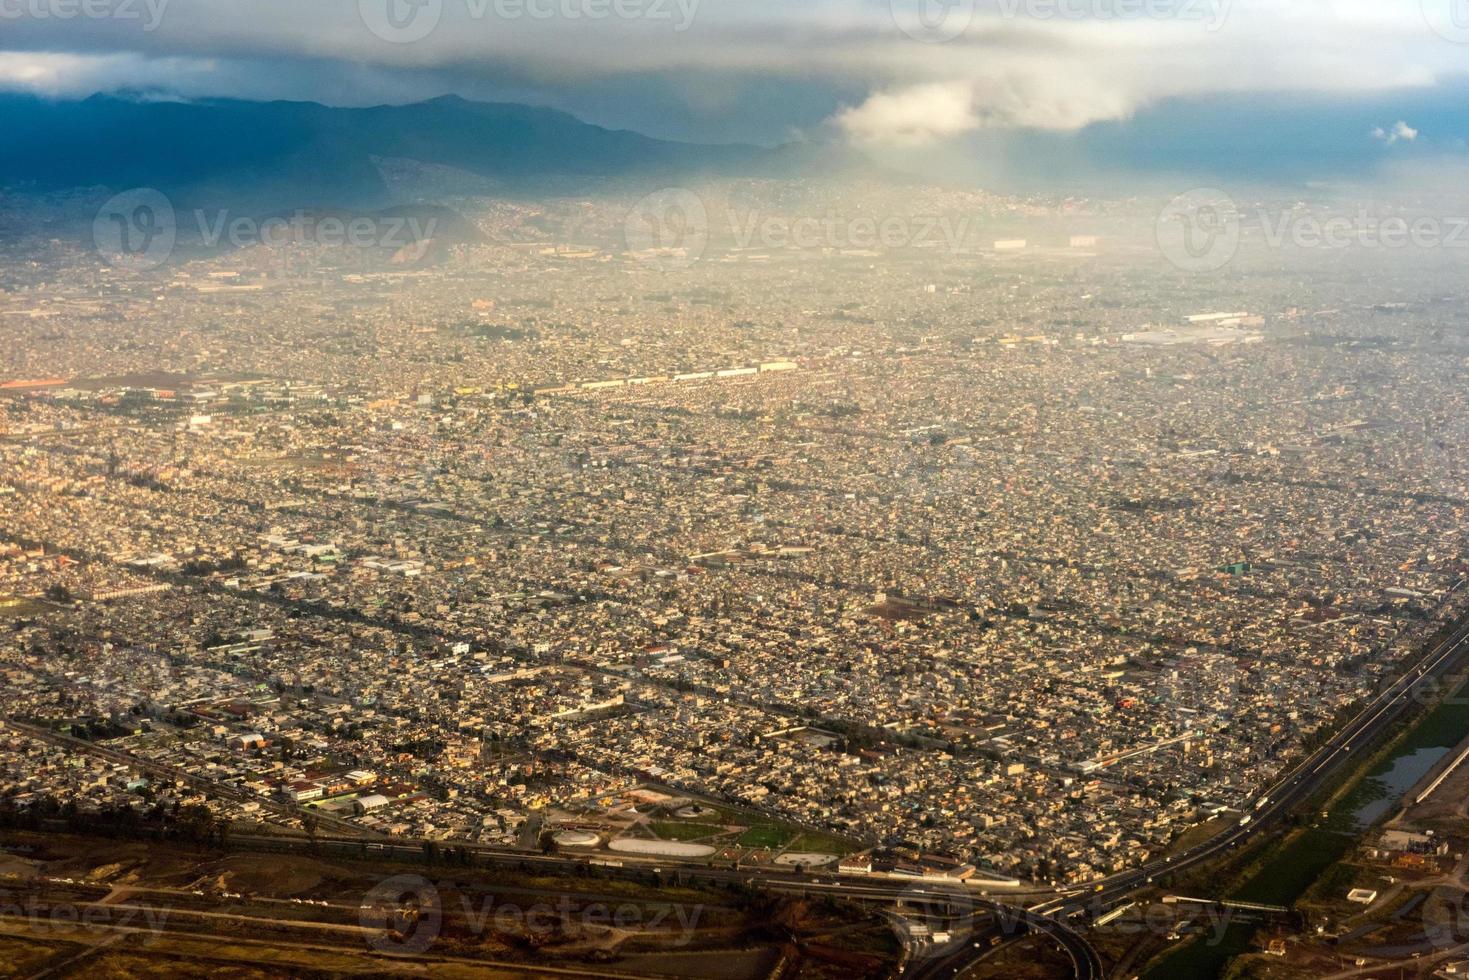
column 1302, row 858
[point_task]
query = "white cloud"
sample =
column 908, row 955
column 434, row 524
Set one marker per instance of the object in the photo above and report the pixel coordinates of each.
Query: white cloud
column 1400, row 132
column 918, row 115
column 63, row 74
column 913, row 116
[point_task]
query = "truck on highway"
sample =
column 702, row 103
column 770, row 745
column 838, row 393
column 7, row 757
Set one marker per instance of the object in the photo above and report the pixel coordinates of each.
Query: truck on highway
column 1245, row 819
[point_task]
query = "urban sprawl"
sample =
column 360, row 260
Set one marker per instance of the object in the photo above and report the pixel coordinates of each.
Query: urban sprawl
column 992, row 562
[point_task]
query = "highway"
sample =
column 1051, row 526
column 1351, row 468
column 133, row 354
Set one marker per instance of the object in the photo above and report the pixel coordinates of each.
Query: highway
column 943, row 963
column 1297, row 785
column 948, row 962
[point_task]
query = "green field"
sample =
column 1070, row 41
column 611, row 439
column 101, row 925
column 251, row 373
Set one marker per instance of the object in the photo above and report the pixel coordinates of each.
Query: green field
column 767, row 836
column 818, row 843
column 760, row 831
column 681, row 831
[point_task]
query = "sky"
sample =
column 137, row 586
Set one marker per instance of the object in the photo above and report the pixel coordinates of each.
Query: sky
column 1045, row 89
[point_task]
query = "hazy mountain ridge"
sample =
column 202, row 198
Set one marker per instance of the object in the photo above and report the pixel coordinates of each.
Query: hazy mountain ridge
column 271, row 155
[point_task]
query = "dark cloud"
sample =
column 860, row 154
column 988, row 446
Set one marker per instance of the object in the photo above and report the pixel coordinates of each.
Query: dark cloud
column 758, row 70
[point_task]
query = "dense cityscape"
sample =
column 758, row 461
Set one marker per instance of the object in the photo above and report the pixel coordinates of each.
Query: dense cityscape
column 713, row 490
column 945, row 562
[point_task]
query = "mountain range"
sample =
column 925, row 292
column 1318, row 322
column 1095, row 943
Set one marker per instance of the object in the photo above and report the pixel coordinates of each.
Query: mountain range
column 273, row 155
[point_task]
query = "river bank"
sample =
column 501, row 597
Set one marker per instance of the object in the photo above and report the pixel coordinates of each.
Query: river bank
column 1284, row 869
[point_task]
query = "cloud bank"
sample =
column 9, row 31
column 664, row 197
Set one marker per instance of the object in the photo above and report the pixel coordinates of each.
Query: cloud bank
column 1048, row 65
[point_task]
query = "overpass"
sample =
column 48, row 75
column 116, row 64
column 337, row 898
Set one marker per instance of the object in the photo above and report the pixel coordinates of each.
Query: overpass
column 1219, row 903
